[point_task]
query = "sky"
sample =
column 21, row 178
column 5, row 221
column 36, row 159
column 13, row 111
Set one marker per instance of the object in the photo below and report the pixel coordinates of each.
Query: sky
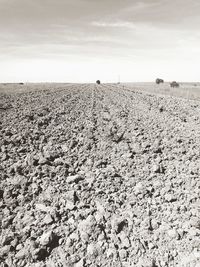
column 86, row 40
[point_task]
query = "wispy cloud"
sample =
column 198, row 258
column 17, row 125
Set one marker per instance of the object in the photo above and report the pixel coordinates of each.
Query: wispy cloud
column 118, row 24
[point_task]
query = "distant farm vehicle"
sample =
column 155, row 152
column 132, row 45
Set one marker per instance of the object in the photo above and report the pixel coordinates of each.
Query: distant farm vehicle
column 21, row 83
column 98, row 82
column 174, row 84
column 158, row 81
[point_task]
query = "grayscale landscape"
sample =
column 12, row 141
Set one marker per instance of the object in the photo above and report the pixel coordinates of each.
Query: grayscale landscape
column 99, row 175
column 99, row 133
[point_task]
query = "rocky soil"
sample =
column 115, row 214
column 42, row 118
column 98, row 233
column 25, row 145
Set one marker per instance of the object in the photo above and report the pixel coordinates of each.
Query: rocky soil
column 99, row 176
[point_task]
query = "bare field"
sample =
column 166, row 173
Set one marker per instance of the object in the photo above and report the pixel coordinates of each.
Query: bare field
column 99, row 175
column 186, row 90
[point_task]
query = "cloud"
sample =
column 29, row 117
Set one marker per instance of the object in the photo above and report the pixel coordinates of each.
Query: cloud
column 178, row 13
column 122, row 32
column 119, row 24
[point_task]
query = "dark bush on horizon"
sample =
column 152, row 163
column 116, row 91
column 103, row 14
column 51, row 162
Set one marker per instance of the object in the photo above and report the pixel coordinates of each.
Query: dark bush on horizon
column 158, row 81
column 174, row 84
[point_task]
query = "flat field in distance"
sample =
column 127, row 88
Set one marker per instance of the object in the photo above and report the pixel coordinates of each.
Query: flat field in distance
column 99, row 175
column 186, row 90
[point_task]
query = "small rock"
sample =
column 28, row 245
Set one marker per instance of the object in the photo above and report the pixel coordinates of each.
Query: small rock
column 81, row 263
column 74, row 178
column 35, row 188
column 42, row 161
column 6, row 240
column 46, row 239
column 194, row 232
column 146, row 262
column 172, row 233
column 151, row 245
column 99, row 217
column 71, row 197
column 84, row 236
column 74, row 237
column 68, row 244
column 21, row 254
column 170, row 198
column 110, row 252
column 123, row 254
column 69, row 206
column 125, row 243
column 92, row 250
column 154, row 224
column 156, row 168
column 74, row 258
column 14, row 242
column 87, row 225
column 4, row 250
column 65, row 148
column 41, row 207
column 19, row 247
column 101, row 237
column 138, row 189
column 58, row 162
column 7, row 221
column 47, row 220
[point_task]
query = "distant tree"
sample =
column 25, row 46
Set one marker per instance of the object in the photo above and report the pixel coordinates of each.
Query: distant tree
column 158, row 81
column 174, row 84
column 98, row 82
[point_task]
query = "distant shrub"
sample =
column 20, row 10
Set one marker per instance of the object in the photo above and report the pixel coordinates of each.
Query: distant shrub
column 98, row 82
column 174, row 84
column 158, row 81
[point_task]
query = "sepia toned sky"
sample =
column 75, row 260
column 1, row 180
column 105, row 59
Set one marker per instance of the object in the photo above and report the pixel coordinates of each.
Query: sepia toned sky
column 85, row 40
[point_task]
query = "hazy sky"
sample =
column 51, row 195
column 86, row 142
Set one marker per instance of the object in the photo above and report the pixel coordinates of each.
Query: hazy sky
column 85, row 40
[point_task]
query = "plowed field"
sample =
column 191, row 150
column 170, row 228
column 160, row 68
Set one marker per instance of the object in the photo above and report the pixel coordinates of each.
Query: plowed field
column 98, row 175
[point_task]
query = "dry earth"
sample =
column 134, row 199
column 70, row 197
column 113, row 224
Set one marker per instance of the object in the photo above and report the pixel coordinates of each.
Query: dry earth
column 98, row 176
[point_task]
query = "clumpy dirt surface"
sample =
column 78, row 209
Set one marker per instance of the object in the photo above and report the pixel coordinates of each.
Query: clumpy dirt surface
column 98, row 175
